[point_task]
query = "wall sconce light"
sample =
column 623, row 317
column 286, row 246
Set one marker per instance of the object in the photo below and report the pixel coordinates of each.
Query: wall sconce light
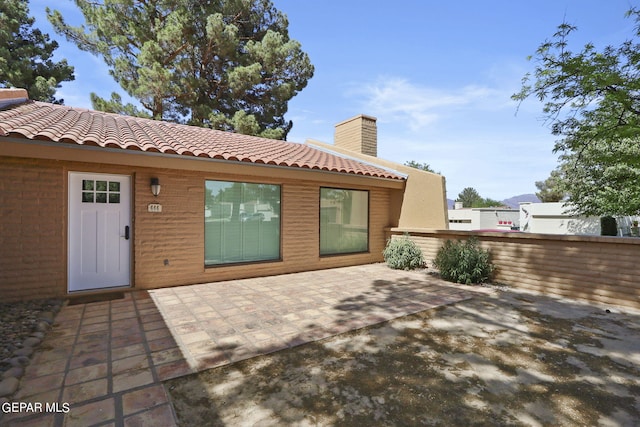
column 155, row 186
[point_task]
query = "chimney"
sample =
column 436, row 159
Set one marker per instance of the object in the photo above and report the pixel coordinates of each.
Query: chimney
column 12, row 96
column 359, row 134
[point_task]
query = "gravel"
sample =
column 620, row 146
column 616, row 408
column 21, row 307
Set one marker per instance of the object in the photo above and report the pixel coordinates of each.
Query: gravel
column 23, row 325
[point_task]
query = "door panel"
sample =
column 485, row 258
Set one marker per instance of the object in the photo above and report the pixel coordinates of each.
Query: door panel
column 114, row 233
column 88, row 238
column 99, row 212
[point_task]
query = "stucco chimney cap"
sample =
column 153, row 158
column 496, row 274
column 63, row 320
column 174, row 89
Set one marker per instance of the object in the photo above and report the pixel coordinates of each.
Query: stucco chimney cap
column 12, row 96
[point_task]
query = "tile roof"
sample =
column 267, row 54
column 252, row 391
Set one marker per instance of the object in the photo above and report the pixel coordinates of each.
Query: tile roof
column 62, row 124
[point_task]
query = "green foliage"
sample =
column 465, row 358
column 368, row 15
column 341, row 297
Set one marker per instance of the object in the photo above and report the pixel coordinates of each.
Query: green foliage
column 550, row 190
column 26, row 55
column 464, row 262
column 487, row 203
column 403, row 254
column 602, row 178
column 116, row 106
column 608, row 226
column 227, row 64
column 422, row 166
column 470, row 198
column 592, row 100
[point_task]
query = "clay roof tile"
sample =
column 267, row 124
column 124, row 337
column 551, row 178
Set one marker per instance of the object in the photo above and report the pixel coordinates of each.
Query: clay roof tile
column 41, row 121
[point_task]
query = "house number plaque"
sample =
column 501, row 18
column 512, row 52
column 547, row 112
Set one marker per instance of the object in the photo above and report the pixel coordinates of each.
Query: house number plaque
column 154, row 207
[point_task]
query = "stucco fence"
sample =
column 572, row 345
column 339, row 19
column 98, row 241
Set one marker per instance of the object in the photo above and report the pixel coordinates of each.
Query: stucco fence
column 599, row 269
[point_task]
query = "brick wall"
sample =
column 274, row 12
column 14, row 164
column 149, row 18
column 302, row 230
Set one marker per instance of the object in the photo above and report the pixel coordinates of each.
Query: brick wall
column 176, row 234
column 32, row 233
column 33, row 212
column 593, row 268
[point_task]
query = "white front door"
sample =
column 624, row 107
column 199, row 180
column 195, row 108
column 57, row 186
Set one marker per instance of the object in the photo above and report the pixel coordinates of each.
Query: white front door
column 99, row 231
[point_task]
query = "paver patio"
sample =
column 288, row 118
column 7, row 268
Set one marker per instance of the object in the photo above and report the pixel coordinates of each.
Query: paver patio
column 107, row 360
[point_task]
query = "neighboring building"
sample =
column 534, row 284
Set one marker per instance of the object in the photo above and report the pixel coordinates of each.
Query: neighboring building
column 555, row 218
column 490, row 219
column 92, row 201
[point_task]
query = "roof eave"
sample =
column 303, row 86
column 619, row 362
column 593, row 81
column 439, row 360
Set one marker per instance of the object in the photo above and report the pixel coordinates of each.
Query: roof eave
column 25, row 142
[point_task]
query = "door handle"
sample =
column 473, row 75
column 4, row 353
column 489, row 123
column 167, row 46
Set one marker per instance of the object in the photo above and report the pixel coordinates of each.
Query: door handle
column 126, row 232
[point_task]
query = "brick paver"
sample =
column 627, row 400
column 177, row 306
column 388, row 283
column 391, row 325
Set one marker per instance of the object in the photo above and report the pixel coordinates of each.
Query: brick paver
column 104, row 363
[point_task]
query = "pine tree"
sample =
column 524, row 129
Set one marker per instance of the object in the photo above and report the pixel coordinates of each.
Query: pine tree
column 26, row 55
column 225, row 64
column 469, row 197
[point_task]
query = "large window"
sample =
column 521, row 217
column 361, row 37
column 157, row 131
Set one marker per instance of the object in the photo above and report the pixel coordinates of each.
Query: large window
column 241, row 222
column 344, row 221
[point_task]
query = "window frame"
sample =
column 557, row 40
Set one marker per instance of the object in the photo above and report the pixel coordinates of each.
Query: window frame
column 334, row 254
column 243, row 262
column 100, row 196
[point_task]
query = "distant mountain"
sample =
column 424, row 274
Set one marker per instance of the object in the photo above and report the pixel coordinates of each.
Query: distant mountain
column 512, row 202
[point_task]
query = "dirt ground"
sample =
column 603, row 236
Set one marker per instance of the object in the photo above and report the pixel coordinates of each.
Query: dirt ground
column 505, row 358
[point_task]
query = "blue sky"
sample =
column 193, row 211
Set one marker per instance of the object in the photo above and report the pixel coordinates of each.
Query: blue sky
column 437, row 75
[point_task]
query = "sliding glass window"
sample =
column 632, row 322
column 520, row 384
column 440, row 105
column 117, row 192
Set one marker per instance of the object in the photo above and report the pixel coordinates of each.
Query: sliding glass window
column 241, row 222
column 344, row 221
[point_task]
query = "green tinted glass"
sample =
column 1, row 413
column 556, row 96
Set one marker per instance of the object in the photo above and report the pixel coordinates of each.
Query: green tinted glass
column 242, row 222
column 344, row 221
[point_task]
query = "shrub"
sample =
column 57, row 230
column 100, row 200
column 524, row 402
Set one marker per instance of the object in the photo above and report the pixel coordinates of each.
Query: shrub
column 464, row 262
column 608, row 226
column 403, row 254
